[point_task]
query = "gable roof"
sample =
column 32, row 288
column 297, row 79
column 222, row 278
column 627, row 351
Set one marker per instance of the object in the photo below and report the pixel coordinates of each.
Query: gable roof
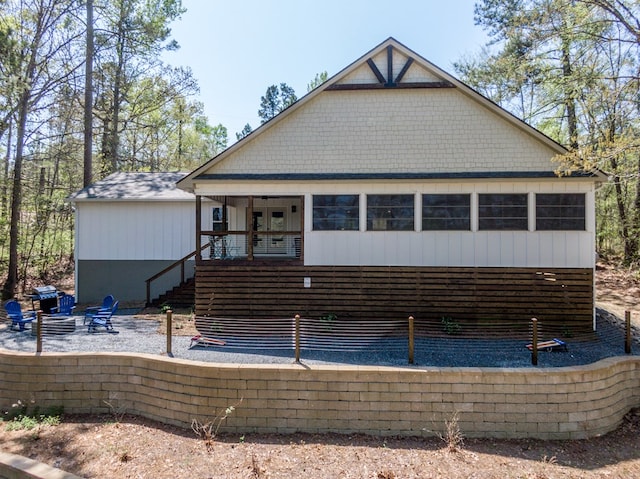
column 390, row 65
column 134, row 186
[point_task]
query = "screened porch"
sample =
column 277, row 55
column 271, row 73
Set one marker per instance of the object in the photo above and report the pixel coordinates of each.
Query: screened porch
column 250, row 228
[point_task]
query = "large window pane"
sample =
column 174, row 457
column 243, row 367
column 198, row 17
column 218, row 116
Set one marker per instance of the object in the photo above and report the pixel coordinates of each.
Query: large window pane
column 446, row 212
column 502, row 212
column 560, row 211
column 390, row 212
column 336, row 212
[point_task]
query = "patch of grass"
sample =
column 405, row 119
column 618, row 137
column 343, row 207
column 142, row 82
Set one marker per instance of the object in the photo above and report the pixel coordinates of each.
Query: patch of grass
column 20, row 418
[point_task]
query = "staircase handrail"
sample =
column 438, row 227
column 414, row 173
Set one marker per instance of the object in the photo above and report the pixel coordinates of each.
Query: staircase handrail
column 180, row 262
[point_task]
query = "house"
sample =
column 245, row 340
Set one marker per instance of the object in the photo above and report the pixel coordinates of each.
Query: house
column 394, row 189
column 129, row 227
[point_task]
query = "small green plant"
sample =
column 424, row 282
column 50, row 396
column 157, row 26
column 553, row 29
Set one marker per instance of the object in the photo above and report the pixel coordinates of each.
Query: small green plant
column 566, row 332
column 20, row 418
column 329, row 317
column 208, row 430
column 165, row 307
column 22, row 422
column 450, row 326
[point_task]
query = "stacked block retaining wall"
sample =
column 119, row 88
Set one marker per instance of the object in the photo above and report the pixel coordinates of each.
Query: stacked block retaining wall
column 560, row 403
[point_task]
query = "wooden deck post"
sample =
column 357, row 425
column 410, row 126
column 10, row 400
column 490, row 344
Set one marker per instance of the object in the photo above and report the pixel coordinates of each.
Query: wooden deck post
column 169, row 329
column 297, row 318
column 627, row 339
column 250, row 228
column 534, row 341
column 411, row 343
column 39, row 331
column 198, row 227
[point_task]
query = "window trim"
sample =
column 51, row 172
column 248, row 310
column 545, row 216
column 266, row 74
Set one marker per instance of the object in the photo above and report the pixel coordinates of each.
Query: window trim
column 558, row 207
column 390, row 220
column 523, row 218
column 468, row 207
column 353, row 219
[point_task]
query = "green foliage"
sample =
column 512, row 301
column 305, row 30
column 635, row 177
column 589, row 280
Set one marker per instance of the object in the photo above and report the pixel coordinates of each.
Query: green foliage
column 19, row 417
column 275, row 100
column 329, row 317
column 245, row 131
column 450, row 326
column 570, row 68
column 145, row 118
column 317, row 81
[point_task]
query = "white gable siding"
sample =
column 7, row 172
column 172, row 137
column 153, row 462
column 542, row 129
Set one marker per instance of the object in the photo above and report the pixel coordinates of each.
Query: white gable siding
column 379, row 131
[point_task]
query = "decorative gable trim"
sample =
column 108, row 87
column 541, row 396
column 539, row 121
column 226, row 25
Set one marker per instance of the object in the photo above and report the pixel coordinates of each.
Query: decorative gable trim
column 390, row 81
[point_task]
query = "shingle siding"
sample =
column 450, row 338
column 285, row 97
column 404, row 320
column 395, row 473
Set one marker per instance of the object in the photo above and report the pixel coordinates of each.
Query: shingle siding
column 376, row 131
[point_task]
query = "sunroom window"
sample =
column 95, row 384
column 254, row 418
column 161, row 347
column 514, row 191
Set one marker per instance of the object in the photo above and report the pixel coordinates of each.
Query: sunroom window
column 390, row 212
column 336, row 212
column 503, row 211
column 560, row 211
column 446, row 212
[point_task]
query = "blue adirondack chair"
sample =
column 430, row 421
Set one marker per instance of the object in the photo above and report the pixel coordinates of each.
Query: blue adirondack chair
column 107, row 304
column 66, row 305
column 102, row 318
column 14, row 313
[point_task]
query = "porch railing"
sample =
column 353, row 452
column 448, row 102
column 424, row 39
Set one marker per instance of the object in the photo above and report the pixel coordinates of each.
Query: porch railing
column 181, row 262
column 229, row 245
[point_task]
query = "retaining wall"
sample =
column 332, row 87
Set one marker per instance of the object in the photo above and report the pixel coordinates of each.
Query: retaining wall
column 551, row 403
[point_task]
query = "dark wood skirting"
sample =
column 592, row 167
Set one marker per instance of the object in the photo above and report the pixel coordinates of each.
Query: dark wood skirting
column 483, row 296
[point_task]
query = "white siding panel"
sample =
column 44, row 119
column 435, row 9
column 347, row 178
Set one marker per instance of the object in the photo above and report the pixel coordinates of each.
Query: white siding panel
column 545, row 250
column 435, row 248
column 486, row 248
column 136, row 230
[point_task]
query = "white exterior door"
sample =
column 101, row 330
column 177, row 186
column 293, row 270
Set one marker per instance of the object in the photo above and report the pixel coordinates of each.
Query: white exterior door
column 269, row 219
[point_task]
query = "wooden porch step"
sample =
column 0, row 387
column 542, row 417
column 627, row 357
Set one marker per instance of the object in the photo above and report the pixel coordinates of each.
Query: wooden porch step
column 180, row 296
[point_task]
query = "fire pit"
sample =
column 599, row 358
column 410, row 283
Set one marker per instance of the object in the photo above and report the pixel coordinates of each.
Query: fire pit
column 55, row 325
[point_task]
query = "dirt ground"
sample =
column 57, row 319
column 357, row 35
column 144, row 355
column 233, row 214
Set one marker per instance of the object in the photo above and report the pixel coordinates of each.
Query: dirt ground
column 118, row 446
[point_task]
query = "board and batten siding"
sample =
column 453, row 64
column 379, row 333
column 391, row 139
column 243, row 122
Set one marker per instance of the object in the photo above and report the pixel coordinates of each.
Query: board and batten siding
column 140, row 230
column 559, row 249
column 120, row 244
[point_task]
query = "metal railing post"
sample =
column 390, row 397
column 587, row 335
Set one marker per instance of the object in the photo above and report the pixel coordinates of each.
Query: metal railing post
column 534, row 341
column 39, row 331
column 169, row 329
column 627, row 339
column 411, row 343
column 297, row 333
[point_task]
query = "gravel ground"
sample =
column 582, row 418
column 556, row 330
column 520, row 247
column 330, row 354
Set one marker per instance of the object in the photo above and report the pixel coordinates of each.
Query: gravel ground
column 140, row 335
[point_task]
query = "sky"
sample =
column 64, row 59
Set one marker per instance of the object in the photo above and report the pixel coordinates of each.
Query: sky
column 238, row 48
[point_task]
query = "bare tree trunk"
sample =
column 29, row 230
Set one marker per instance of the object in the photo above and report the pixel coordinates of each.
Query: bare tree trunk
column 5, row 176
column 114, row 136
column 88, row 99
column 569, row 100
column 9, row 287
